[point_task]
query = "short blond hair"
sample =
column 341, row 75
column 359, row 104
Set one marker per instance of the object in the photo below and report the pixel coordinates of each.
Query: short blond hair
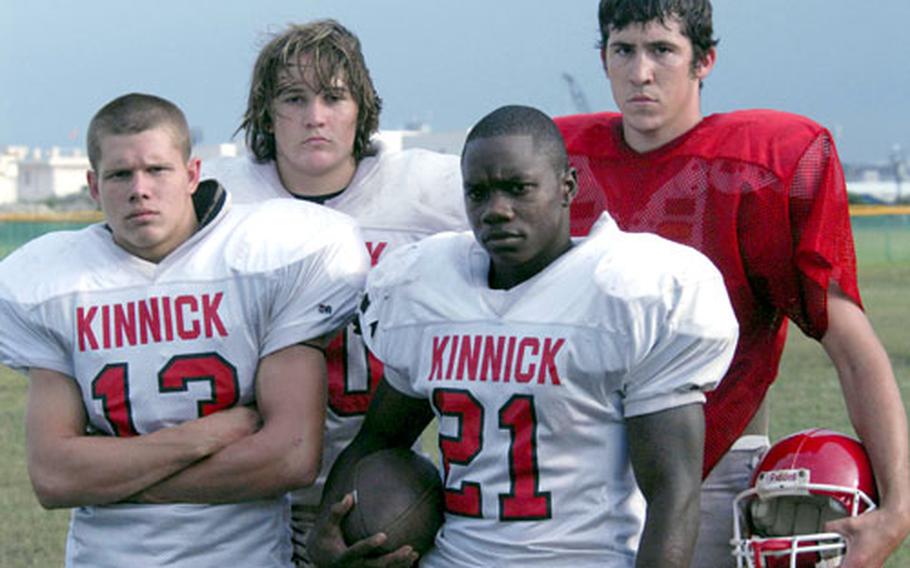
column 134, row 113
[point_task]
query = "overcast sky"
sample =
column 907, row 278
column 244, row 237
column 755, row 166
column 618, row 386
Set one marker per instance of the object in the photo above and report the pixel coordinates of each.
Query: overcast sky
column 844, row 63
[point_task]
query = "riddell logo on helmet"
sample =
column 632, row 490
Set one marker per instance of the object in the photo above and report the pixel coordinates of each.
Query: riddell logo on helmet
column 781, row 478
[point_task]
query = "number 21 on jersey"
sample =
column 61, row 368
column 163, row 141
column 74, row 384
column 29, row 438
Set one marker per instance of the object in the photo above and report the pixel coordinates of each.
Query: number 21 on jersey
column 517, row 418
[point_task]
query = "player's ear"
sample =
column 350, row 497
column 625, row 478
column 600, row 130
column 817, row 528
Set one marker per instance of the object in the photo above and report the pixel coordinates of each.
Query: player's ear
column 569, row 186
column 603, row 60
column 193, row 172
column 704, row 67
column 92, row 179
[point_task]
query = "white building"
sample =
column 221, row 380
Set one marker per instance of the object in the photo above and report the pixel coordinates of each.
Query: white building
column 47, row 175
column 449, row 142
column 10, row 156
column 211, row 151
column 879, row 191
column 879, row 183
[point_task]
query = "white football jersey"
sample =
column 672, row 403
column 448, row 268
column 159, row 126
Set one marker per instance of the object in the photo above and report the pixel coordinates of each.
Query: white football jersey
column 397, row 198
column 532, row 385
column 153, row 345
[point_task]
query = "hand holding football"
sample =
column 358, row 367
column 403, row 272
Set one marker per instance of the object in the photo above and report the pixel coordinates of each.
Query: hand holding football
column 399, row 493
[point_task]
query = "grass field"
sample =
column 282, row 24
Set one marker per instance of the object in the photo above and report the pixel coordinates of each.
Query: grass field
column 806, row 395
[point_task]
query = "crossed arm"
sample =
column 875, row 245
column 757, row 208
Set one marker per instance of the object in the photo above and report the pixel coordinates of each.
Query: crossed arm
column 224, row 457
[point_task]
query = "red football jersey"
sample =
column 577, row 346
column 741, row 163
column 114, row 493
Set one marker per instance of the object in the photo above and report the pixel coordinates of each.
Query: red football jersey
column 762, row 194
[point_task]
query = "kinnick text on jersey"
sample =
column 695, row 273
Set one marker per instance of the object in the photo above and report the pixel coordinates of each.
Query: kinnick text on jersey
column 495, row 358
column 150, row 320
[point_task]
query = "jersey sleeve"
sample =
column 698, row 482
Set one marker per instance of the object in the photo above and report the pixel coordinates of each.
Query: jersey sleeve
column 420, row 190
column 319, row 294
column 27, row 339
column 693, row 347
column 820, row 223
column 400, row 381
column 378, row 318
column 309, row 272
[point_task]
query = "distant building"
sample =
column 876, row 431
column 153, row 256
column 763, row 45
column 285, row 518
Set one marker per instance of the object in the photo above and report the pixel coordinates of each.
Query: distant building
column 53, row 174
column 10, row 156
column 449, row 142
column 211, row 151
column 878, row 183
column 879, row 191
column 35, row 175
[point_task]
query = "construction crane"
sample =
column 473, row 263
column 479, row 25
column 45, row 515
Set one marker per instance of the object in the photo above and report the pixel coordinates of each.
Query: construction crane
column 579, row 100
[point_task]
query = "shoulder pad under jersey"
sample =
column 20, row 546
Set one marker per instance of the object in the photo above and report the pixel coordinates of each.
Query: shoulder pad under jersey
column 279, row 232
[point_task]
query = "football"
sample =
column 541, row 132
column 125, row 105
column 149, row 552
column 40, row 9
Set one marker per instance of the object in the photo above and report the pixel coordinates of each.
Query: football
column 397, row 492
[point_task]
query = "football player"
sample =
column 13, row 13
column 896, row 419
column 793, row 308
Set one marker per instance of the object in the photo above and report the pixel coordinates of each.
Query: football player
column 762, row 194
column 565, row 374
column 311, row 114
column 175, row 353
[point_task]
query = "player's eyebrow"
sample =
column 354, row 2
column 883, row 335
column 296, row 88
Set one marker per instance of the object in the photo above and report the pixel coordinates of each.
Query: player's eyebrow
column 291, row 86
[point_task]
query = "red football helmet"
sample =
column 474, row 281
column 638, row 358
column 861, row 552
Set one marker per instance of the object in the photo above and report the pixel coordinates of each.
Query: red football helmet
column 804, row 481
